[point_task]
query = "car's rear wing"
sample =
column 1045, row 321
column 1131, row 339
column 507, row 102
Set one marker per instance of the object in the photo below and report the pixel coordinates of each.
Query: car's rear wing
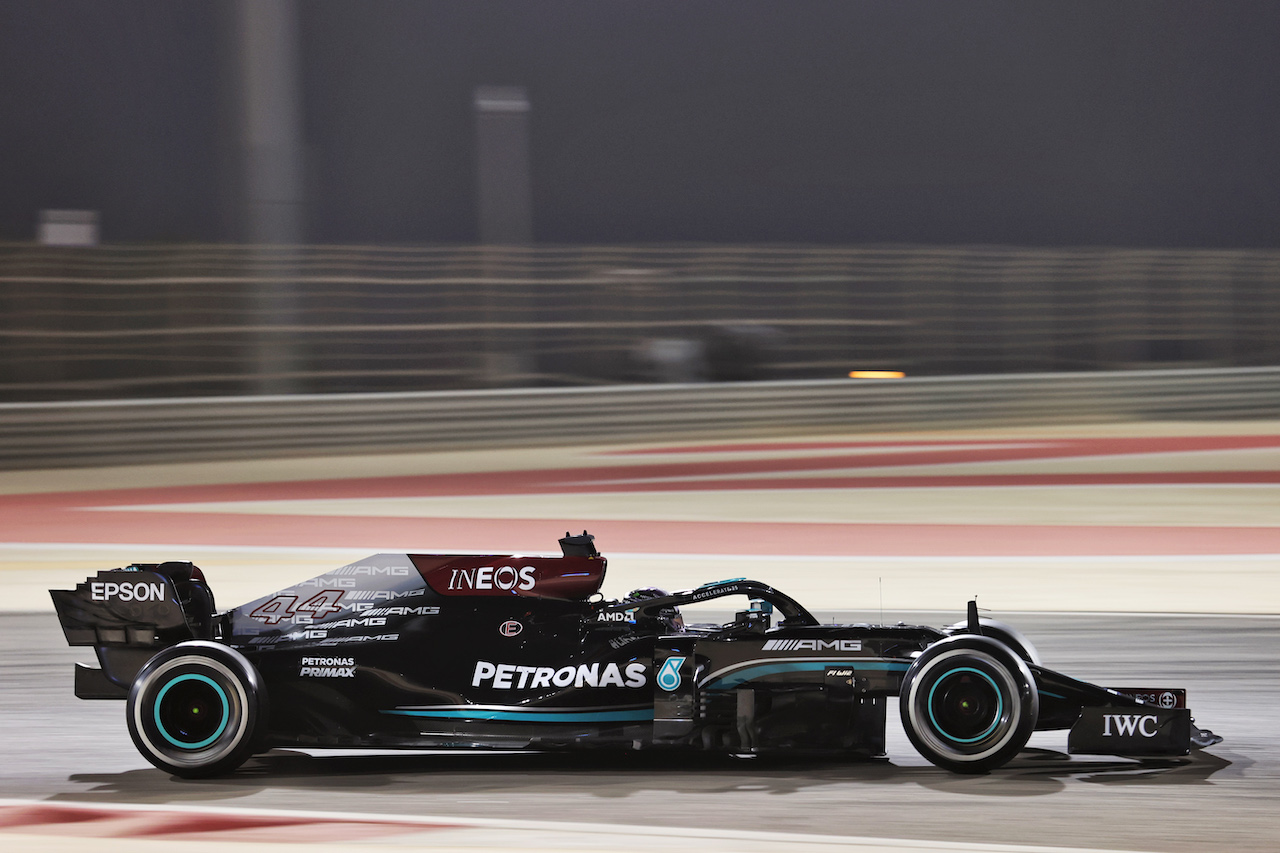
column 128, row 615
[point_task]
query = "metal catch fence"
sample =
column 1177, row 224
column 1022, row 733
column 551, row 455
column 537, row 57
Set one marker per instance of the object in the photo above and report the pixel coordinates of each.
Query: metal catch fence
column 165, row 321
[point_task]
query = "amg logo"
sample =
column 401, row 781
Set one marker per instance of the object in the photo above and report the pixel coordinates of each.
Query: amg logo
column 338, row 641
column 1127, row 725
column 390, row 571
column 813, row 645
column 381, row 594
column 328, row 581
column 403, row 611
column 365, row 622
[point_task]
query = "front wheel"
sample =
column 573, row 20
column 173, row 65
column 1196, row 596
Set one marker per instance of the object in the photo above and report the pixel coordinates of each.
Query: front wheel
column 195, row 709
column 969, row 703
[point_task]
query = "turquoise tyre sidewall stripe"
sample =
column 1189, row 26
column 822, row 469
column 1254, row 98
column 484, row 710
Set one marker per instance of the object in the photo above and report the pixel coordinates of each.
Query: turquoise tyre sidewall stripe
column 222, row 727
column 999, row 705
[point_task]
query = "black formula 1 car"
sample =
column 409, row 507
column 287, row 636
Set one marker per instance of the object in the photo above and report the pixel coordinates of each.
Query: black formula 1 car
column 511, row 652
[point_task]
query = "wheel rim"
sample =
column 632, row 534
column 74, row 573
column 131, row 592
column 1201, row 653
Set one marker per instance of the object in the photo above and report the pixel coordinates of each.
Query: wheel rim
column 941, row 727
column 192, row 711
column 965, row 705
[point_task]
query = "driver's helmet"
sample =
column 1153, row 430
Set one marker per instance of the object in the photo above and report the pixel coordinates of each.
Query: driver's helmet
column 670, row 617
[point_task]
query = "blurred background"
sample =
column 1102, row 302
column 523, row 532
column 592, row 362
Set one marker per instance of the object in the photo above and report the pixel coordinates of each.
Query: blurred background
column 230, row 197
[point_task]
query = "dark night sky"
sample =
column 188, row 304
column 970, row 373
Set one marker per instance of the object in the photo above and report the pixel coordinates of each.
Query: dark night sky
column 934, row 121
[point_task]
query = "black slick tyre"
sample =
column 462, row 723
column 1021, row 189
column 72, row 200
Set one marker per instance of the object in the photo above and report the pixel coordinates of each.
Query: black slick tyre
column 195, row 709
column 969, row 703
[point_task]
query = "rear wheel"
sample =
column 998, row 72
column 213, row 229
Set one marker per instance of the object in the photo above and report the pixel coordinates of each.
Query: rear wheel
column 195, row 709
column 969, row 704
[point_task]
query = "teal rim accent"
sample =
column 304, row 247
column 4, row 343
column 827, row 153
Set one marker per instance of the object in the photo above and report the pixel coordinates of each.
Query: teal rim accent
column 226, row 712
column 999, row 705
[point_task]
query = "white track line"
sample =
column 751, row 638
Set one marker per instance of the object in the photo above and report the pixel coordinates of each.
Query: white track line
column 583, row 836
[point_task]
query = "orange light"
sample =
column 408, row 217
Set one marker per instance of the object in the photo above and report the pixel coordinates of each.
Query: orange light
column 876, row 374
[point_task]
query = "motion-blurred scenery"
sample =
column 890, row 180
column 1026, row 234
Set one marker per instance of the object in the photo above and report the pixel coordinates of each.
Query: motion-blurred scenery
column 215, row 198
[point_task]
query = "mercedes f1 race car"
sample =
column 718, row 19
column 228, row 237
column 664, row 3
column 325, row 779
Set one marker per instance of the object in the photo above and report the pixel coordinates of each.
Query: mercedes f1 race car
column 422, row 651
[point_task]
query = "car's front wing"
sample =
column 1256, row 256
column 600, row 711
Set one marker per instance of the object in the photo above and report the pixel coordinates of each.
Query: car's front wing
column 1118, row 721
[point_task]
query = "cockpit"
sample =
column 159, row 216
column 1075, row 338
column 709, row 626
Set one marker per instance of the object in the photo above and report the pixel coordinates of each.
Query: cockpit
column 657, row 609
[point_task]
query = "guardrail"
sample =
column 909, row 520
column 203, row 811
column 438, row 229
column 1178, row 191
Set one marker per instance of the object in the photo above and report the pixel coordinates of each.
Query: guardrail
column 183, row 321
column 34, row 435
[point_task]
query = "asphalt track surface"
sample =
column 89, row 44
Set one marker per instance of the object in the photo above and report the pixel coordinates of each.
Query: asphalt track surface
column 1190, row 523
column 54, row 747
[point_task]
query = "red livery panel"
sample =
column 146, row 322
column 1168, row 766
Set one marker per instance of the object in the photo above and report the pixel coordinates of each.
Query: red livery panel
column 575, row 578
